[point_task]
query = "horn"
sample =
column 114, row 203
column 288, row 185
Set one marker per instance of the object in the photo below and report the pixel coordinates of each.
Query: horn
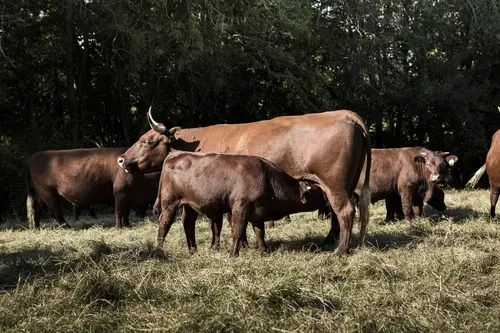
column 157, row 127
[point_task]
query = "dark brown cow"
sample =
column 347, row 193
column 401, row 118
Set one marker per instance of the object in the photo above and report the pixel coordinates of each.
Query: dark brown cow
column 250, row 188
column 328, row 148
column 406, row 175
column 86, row 177
column 492, row 168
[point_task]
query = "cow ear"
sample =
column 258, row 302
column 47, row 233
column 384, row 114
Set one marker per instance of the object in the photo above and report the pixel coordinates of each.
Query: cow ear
column 420, row 158
column 451, row 160
column 171, row 133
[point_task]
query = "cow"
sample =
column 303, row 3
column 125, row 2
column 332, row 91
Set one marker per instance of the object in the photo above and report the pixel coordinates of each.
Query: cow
column 85, row 177
column 328, row 148
column 406, row 175
column 250, row 188
column 434, row 197
column 492, row 167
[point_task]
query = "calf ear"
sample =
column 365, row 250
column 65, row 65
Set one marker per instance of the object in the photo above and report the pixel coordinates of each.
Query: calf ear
column 304, row 188
column 452, row 159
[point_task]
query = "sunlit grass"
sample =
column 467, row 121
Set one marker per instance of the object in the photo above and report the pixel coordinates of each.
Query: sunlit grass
column 425, row 276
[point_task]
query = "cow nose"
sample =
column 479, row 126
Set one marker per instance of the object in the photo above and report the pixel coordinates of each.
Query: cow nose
column 435, row 178
column 120, row 161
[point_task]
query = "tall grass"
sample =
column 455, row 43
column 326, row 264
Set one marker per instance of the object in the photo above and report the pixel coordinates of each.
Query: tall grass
column 430, row 275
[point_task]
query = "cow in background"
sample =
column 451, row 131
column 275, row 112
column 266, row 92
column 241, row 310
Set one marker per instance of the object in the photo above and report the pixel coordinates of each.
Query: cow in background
column 406, row 176
column 85, row 177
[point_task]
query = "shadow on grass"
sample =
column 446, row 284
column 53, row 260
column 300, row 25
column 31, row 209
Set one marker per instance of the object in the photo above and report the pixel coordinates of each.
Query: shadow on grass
column 379, row 241
column 25, row 266
column 460, row 214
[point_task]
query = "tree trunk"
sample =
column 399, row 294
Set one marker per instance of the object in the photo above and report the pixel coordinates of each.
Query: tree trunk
column 73, row 110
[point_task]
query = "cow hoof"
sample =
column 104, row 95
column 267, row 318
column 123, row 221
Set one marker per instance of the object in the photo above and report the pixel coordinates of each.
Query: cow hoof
column 215, row 247
column 341, row 252
column 193, row 250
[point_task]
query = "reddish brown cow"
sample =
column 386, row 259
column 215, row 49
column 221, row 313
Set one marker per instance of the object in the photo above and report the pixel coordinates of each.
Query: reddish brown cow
column 328, row 148
column 250, row 188
column 492, row 167
column 406, row 174
column 86, row 177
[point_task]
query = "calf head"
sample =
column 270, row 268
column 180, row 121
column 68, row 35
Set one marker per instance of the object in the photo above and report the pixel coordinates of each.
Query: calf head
column 435, row 164
column 311, row 194
column 148, row 153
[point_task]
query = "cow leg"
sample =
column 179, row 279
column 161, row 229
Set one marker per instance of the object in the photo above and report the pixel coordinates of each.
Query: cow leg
column 270, row 224
column 122, row 211
column 188, row 218
column 77, row 210
column 494, row 192
column 258, row 228
column 141, row 212
column 38, row 204
column 239, row 222
column 389, row 206
column 344, row 209
column 53, row 202
column 418, row 210
column 92, row 212
column 334, row 233
column 287, row 219
column 216, row 227
column 407, row 203
column 167, row 217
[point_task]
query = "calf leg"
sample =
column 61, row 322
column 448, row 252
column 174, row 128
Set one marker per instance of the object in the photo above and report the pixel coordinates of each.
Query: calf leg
column 239, row 222
column 122, row 211
column 167, row 217
column 258, row 228
column 53, row 202
column 188, row 219
column 494, row 192
column 244, row 240
column 216, row 227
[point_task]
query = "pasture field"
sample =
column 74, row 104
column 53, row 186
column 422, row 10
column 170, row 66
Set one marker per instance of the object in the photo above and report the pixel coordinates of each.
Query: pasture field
column 423, row 276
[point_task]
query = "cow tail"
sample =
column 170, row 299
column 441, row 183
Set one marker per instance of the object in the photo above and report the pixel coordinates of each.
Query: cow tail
column 30, row 201
column 364, row 198
column 475, row 179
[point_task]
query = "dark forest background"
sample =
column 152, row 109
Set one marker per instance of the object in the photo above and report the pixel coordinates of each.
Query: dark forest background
column 82, row 73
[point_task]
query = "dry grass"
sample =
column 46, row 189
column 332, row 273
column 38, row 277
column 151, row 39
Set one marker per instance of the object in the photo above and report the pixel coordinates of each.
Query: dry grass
column 426, row 276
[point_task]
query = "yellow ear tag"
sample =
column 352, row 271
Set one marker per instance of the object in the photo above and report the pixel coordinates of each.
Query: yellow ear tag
column 451, row 162
column 303, row 199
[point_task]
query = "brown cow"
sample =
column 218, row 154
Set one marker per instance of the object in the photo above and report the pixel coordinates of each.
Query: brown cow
column 328, row 148
column 406, row 174
column 492, row 167
column 250, row 188
column 86, row 177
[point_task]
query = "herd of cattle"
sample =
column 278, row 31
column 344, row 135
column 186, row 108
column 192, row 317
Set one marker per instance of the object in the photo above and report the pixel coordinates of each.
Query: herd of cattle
column 254, row 172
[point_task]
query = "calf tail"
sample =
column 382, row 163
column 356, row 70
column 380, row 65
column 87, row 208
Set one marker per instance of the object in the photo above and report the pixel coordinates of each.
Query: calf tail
column 475, row 179
column 30, row 202
column 364, row 198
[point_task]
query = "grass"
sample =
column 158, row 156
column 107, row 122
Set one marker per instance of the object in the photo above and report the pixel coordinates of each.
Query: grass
column 429, row 275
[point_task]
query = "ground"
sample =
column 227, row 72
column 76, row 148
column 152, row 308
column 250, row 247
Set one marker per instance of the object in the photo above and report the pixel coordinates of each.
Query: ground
column 429, row 275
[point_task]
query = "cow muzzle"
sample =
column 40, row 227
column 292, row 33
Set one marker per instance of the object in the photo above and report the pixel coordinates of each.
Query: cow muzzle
column 124, row 165
column 436, row 178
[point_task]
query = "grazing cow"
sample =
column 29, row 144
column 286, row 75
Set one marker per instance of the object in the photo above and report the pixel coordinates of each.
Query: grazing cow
column 86, row 177
column 250, row 188
column 404, row 176
column 328, row 148
column 492, row 167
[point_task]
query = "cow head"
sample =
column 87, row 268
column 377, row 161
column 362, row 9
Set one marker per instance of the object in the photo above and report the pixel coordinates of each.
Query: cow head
column 148, row 153
column 435, row 164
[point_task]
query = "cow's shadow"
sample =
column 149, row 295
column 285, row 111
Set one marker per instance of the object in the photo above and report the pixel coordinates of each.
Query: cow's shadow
column 461, row 214
column 379, row 241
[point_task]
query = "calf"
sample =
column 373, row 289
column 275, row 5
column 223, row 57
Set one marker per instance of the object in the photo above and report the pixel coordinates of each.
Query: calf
column 407, row 175
column 252, row 189
column 434, row 197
